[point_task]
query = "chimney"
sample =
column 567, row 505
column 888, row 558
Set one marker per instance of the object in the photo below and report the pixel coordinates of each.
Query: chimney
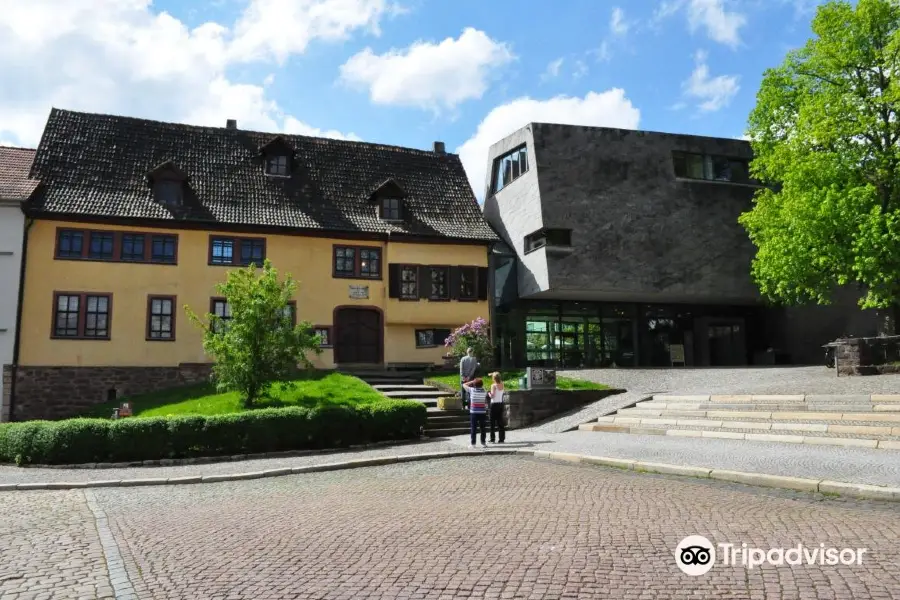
column 231, row 124
column 439, row 148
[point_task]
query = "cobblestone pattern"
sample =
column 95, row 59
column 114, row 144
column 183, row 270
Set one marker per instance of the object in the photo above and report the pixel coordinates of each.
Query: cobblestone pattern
column 49, row 548
column 57, row 392
column 759, row 380
column 530, row 530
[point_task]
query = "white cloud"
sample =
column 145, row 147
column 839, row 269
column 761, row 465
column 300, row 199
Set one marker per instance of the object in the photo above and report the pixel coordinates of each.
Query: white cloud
column 552, row 70
column 122, row 57
column 601, row 109
column 617, row 23
column 712, row 92
column 429, row 75
column 721, row 25
column 278, row 28
column 603, row 53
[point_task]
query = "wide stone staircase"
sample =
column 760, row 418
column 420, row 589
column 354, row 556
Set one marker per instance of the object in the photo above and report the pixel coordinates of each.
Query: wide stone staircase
column 400, row 385
column 864, row 421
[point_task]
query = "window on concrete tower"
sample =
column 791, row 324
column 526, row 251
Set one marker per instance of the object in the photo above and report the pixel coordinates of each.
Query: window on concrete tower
column 509, row 167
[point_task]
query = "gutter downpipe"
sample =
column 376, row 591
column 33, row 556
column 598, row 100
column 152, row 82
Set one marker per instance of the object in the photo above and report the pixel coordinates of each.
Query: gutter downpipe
column 17, row 342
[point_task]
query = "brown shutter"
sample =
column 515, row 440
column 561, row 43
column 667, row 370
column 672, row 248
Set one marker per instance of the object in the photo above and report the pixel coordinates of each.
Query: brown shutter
column 454, row 283
column 482, row 283
column 424, row 281
column 393, row 281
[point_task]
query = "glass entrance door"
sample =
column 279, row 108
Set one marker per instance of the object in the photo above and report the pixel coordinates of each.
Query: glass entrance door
column 726, row 344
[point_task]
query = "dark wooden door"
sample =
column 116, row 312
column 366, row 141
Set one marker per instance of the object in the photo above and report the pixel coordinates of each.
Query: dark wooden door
column 358, row 336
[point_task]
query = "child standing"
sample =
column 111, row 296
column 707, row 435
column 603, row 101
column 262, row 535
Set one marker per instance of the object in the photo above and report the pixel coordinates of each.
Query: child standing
column 496, row 394
column 477, row 409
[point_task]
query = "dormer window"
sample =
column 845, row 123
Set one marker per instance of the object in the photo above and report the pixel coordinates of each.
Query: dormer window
column 168, row 183
column 278, row 155
column 278, row 165
column 169, row 192
column 391, row 209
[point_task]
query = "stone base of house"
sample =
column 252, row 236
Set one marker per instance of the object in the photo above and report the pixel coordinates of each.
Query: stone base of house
column 60, row 392
column 526, row 407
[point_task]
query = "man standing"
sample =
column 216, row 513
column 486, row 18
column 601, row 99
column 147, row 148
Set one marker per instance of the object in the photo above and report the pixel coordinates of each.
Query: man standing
column 467, row 367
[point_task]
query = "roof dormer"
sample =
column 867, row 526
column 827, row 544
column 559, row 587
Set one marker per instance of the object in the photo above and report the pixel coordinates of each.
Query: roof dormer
column 279, row 157
column 390, row 201
column 168, row 183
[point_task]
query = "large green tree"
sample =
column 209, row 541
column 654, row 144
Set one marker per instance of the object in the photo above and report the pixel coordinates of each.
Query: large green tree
column 825, row 134
column 258, row 344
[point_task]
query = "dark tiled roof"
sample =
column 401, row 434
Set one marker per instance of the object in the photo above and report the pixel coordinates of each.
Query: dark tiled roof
column 98, row 165
column 14, row 166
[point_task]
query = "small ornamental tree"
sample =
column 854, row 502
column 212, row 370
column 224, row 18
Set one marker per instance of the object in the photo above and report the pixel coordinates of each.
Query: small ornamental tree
column 475, row 335
column 259, row 344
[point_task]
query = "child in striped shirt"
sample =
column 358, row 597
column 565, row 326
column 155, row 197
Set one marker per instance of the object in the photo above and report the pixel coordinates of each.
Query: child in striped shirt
column 477, row 409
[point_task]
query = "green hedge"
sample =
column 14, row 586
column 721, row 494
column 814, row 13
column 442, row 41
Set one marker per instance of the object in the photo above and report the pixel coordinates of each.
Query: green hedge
column 266, row 430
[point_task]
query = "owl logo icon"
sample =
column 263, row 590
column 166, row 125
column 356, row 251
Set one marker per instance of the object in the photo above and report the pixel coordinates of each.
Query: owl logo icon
column 695, row 555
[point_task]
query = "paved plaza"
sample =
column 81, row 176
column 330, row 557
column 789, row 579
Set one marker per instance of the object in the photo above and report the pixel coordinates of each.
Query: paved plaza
column 473, row 527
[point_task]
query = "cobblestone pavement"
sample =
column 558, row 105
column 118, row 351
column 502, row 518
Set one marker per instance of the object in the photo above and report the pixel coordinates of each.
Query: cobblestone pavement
column 49, row 548
column 482, row 527
column 756, row 380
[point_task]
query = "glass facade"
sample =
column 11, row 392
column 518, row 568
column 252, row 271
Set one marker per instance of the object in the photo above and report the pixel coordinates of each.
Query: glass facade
column 569, row 334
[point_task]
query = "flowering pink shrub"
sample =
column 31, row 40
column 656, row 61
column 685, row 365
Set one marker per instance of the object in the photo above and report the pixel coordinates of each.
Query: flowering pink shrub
column 475, row 335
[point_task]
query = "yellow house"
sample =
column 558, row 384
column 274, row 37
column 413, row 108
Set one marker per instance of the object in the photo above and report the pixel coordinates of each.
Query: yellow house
column 133, row 219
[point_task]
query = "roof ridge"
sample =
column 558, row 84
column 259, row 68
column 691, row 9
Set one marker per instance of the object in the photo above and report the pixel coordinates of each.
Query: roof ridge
column 274, row 134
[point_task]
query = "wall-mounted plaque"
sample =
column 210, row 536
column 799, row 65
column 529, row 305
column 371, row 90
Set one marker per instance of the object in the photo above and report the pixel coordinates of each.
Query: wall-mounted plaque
column 359, row 292
column 541, row 379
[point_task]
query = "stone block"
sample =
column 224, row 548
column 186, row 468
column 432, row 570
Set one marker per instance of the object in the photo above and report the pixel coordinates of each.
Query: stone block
column 653, row 421
column 739, row 414
column 698, row 423
column 684, row 433
column 805, row 416
column 858, row 490
column 880, row 417
column 778, row 398
column 838, row 398
column 889, row 444
column 618, row 463
column 763, row 480
column 745, row 425
column 725, row 435
column 820, row 427
column 682, row 398
column 860, row 429
column 772, row 437
column 731, row 399
column 667, row 469
column 844, row 442
column 878, row 398
column 886, row 407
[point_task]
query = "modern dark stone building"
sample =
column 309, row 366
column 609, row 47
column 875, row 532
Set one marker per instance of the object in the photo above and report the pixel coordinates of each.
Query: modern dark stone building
column 623, row 249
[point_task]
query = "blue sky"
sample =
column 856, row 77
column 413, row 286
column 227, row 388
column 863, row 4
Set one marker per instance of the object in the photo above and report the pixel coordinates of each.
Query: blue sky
column 405, row 72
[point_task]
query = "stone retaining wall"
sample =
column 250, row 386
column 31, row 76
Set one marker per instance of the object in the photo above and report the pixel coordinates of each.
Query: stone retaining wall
column 868, row 356
column 526, row 407
column 60, row 392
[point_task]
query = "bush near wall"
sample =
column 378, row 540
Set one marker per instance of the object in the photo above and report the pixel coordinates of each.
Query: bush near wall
column 265, row 430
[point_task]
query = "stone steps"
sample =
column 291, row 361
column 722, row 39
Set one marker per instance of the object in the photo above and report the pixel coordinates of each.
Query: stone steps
column 788, row 436
column 831, row 406
column 845, row 427
column 798, row 415
column 863, row 421
column 416, row 394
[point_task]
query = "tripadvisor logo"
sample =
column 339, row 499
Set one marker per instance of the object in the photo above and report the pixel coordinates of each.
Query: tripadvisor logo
column 695, row 555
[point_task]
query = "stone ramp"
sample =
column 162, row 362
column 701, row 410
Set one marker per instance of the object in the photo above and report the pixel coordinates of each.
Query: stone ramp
column 864, row 421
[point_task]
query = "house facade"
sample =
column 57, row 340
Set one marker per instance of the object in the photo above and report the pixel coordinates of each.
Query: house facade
column 15, row 188
column 135, row 219
column 622, row 249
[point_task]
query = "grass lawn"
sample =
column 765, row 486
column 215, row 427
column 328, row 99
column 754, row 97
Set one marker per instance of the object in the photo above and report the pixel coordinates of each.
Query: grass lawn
column 310, row 390
column 511, row 381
